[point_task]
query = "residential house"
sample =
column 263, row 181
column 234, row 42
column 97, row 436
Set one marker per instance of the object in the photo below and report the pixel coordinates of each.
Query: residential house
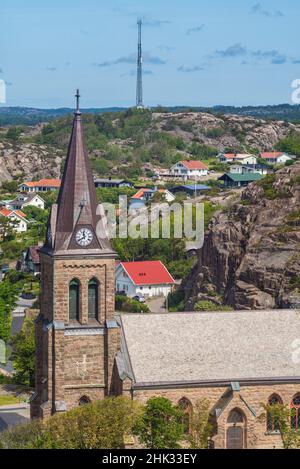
column 44, row 185
column 191, row 189
column 118, row 183
column 17, row 217
column 147, row 278
column 144, row 195
column 250, row 168
column 239, row 180
column 244, row 158
column 189, row 169
column 276, row 157
column 24, row 200
column 31, row 261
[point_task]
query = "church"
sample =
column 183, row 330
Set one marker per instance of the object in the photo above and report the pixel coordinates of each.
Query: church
column 85, row 351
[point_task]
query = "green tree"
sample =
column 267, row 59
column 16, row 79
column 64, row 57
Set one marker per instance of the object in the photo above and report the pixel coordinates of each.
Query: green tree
column 7, row 228
column 8, row 298
column 23, row 355
column 14, row 133
column 103, row 424
column 201, row 428
column 282, row 416
column 160, row 426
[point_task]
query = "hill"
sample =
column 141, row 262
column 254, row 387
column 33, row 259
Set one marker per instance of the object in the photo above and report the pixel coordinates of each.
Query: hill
column 33, row 116
column 136, row 143
column 250, row 258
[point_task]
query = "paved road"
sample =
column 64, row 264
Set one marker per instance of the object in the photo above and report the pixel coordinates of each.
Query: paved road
column 13, row 415
column 157, row 305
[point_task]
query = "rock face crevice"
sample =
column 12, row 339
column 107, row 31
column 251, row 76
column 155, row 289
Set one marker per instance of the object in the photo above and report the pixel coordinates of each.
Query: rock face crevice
column 251, row 254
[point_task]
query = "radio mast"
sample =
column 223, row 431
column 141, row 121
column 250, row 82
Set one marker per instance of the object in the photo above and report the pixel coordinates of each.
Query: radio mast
column 139, row 84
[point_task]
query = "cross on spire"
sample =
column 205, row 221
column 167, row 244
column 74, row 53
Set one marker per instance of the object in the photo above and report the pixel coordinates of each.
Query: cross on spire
column 77, row 96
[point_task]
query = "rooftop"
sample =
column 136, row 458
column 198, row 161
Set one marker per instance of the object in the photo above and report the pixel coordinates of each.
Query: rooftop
column 242, row 177
column 147, row 272
column 201, row 347
column 194, row 165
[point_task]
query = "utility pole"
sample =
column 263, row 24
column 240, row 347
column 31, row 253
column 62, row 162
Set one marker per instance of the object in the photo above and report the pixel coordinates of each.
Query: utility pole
column 139, row 84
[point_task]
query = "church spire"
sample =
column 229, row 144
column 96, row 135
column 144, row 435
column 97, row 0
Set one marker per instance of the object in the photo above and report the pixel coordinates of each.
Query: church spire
column 76, row 222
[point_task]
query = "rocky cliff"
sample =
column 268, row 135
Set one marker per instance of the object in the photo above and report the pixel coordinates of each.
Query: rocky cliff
column 251, row 255
column 29, row 161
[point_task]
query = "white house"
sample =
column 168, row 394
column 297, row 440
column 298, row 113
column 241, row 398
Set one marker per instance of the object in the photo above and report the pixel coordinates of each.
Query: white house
column 255, row 168
column 17, row 217
column 143, row 195
column 44, row 185
column 244, row 158
column 147, row 278
column 24, row 200
column 189, row 169
column 276, row 157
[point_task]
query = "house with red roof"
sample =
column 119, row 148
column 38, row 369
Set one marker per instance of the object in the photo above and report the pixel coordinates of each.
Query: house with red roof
column 17, row 217
column 43, row 185
column 189, row 169
column 147, row 278
column 276, row 157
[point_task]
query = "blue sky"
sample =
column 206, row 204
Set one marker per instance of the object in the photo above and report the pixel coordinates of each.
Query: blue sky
column 196, row 52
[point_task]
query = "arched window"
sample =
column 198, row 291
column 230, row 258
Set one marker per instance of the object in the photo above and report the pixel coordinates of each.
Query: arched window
column 187, row 409
column 84, row 400
column 273, row 424
column 295, row 407
column 236, row 430
column 94, row 299
column 74, row 300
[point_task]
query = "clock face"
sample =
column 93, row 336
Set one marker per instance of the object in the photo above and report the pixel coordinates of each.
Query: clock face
column 84, row 237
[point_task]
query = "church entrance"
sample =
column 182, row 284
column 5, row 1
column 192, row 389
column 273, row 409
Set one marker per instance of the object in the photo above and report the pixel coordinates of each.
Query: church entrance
column 236, row 430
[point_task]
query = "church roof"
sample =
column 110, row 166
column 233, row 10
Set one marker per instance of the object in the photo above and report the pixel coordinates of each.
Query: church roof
column 77, row 204
column 161, row 349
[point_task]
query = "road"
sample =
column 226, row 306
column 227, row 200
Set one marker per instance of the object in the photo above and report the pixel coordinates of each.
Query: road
column 12, row 415
column 18, row 316
column 156, row 305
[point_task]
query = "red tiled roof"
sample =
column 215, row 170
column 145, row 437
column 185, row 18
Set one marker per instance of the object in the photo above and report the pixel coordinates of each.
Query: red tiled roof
column 194, row 164
column 6, row 213
column 272, row 154
column 43, row 183
column 148, row 273
column 140, row 193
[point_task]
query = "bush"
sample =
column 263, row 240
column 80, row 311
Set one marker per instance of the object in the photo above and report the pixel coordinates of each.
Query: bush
column 100, row 425
column 210, row 306
column 123, row 303
column 160, row 427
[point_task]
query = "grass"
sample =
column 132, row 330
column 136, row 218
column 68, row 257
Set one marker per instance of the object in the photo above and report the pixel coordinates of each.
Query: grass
column 8, row 400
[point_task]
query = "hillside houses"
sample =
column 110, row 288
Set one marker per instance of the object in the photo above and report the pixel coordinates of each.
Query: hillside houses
column 276, row 157
column 146, row 278
column 143, row 195
column 23, row 200
column 244, row 158
column 43, row 185
column 18, row 219
column 189, row 169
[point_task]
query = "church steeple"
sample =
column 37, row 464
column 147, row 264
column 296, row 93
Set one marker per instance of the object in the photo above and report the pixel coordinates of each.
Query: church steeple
column 75, row 223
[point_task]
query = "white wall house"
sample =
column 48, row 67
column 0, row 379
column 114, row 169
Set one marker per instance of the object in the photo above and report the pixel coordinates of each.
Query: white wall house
column 44, row 185
column 276, row 157
column 147, row 278
column 244, row 158
column 189, row 169
column 25, row 200
column 17, row 217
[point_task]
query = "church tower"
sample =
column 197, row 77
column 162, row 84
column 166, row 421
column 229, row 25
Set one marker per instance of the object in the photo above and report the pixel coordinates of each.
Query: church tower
column 76, row 333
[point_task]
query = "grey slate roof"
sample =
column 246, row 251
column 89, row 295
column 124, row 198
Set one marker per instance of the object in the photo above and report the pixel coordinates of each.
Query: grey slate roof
column 200, row 347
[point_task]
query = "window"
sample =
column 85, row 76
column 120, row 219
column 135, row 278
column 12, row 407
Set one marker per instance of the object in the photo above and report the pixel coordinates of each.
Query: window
column 272, row 422
column 187, row 409
column 84, row 400
column 295, row 406
column 74, row 300
column 93, row 299
column 236, row 430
